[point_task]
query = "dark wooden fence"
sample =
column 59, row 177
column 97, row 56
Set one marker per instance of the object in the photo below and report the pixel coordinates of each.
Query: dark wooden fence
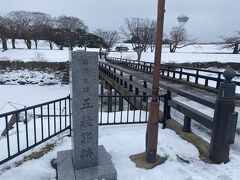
column 134, row 84
column 125, row 79
column 196, row 76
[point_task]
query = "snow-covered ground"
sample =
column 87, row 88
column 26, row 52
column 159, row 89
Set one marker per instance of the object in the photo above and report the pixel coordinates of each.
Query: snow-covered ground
column 19, row 96
column 196, row 53
column 43, row 53
column 189, row 54
column 22, row 77
column 123, row 141
column 120, row 141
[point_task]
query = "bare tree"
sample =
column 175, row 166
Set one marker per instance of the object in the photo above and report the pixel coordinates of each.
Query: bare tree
column 69, row 26
column 13, row 30
column 138, row 31
column 48, row 32
column 3, row 33
column 23, row 21
column 178, row 38
column 232, row 42
column 71, row 23
column 153, row 37
column 40, row 22
column 109, row 38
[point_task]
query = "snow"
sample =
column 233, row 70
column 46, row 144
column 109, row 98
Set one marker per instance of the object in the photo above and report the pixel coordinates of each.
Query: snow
column 120, row 141
column 43, row 53
column 180, row 57
column 29, row 95
column 196, row 53
column 126, row 140
column 16, row 77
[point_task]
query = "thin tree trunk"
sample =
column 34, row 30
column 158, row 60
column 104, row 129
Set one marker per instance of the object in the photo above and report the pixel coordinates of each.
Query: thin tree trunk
column 139, row 54
column 172, row 48
column 100, row 52
column 28, row 43
column 236, row 50
column 61, row 47
column 13, row 43
column 4, row 44
column 152, row 47
column 50, row 45
column 36, row 44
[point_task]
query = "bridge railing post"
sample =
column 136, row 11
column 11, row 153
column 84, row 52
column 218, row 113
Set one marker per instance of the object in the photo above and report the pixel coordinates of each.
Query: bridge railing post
column 174, row 73
column 144, row 93
column 180, row 73
column 130, row 85
column 218, row 80
column 224, row 120
column 169, row 97
column 168, row 71
column 206, row 82
column 144, row 66
column 125, row 84
column 136, row 91
column 151, row 67
column 196, row 78
column 166, row 109
column 114, row 76
column 187, row 124
column 121, row 80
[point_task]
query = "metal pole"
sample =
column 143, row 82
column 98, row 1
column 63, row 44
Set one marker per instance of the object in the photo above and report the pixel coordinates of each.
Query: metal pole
column 152, row 127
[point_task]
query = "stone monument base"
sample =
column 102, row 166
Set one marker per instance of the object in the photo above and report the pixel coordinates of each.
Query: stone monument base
column 104, row 170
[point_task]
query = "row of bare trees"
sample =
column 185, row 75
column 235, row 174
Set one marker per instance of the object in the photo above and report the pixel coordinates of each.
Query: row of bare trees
column 64, row 31
column 67, row 31
column 141, row 33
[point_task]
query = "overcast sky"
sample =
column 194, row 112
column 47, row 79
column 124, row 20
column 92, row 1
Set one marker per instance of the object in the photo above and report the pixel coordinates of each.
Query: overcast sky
column 209, row 19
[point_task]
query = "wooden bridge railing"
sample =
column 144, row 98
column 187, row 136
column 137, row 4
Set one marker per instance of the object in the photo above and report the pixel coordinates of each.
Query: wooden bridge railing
column 177, row 72
column 139, row 86
column 135, row 84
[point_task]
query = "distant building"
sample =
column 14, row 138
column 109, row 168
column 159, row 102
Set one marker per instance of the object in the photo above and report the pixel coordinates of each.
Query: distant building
column 121, row 49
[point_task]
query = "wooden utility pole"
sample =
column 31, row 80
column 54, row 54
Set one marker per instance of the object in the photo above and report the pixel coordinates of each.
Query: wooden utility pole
column 152, row 127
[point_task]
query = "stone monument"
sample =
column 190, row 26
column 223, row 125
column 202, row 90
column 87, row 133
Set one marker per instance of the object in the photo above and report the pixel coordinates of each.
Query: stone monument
column 87, row 160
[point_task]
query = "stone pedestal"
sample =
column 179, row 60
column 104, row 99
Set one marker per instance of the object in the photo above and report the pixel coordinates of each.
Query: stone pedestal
column 87, row 160
column 104, row 169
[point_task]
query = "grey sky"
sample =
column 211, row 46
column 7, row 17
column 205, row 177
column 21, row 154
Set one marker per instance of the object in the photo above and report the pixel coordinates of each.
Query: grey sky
column 208, row 18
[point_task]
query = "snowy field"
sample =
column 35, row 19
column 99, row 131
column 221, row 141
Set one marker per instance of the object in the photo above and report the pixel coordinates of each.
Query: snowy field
column 43, row 53
column 189, row 54
column 196, row 53
column 13, row 96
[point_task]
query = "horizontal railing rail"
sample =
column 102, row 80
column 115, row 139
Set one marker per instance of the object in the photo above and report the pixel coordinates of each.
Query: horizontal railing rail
column 177, row 72
column 125, row 78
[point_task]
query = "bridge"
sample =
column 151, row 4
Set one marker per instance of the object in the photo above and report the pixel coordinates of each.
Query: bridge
column 189, row 106
column 177, row 84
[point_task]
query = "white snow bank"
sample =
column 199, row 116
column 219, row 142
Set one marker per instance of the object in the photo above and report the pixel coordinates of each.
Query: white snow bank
column 123, row 141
